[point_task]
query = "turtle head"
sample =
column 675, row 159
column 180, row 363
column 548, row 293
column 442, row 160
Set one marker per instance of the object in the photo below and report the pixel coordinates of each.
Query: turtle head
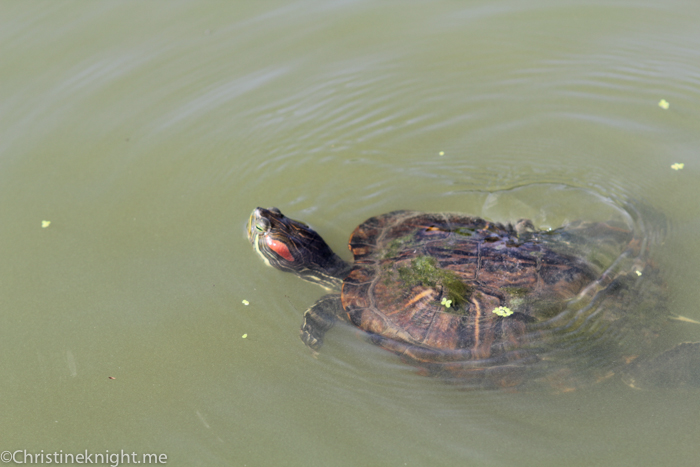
column 293, row 246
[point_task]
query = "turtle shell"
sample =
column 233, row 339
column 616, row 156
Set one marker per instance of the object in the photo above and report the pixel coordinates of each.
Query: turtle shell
column 469, row 297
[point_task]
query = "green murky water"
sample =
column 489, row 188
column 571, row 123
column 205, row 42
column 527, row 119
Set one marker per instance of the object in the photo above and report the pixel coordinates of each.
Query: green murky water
column 147, row 132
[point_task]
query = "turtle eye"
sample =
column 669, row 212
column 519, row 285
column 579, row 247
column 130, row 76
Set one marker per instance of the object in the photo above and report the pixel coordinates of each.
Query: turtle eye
column 262, row 225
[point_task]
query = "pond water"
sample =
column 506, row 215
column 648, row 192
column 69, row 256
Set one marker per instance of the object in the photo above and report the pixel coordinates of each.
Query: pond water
column 145, row 133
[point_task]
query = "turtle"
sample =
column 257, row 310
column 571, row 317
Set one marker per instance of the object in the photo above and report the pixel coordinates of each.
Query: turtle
column 484, row 303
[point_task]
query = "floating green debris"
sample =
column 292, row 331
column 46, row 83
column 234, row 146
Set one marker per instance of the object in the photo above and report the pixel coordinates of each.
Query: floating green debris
column 639, row 273
column 678, row 166
column 441, row 153
column 244, row 336
column 245, row 302
column 446, row 303
column 663, row 103
column 503, row 311
column 45, row 224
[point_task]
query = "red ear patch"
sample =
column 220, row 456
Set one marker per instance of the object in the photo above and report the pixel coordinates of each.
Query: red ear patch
column 279, row 248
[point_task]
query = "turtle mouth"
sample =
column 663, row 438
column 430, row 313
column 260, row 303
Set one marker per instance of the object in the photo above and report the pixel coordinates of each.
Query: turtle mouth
column 255, row 236
column 258, row 225
column 252, row 236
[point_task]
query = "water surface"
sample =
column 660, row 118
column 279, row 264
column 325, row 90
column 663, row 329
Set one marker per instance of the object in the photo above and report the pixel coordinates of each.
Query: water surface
column 147, row 132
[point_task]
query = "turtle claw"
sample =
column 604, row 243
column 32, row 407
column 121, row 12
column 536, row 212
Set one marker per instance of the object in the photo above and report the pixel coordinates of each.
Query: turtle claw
column 318, row 319
column 312, row 342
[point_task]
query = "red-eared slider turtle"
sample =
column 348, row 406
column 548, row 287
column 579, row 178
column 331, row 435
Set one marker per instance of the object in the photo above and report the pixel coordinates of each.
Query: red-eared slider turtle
column 483, row 303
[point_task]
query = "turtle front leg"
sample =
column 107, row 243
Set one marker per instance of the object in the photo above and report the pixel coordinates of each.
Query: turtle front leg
column 318, row 319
